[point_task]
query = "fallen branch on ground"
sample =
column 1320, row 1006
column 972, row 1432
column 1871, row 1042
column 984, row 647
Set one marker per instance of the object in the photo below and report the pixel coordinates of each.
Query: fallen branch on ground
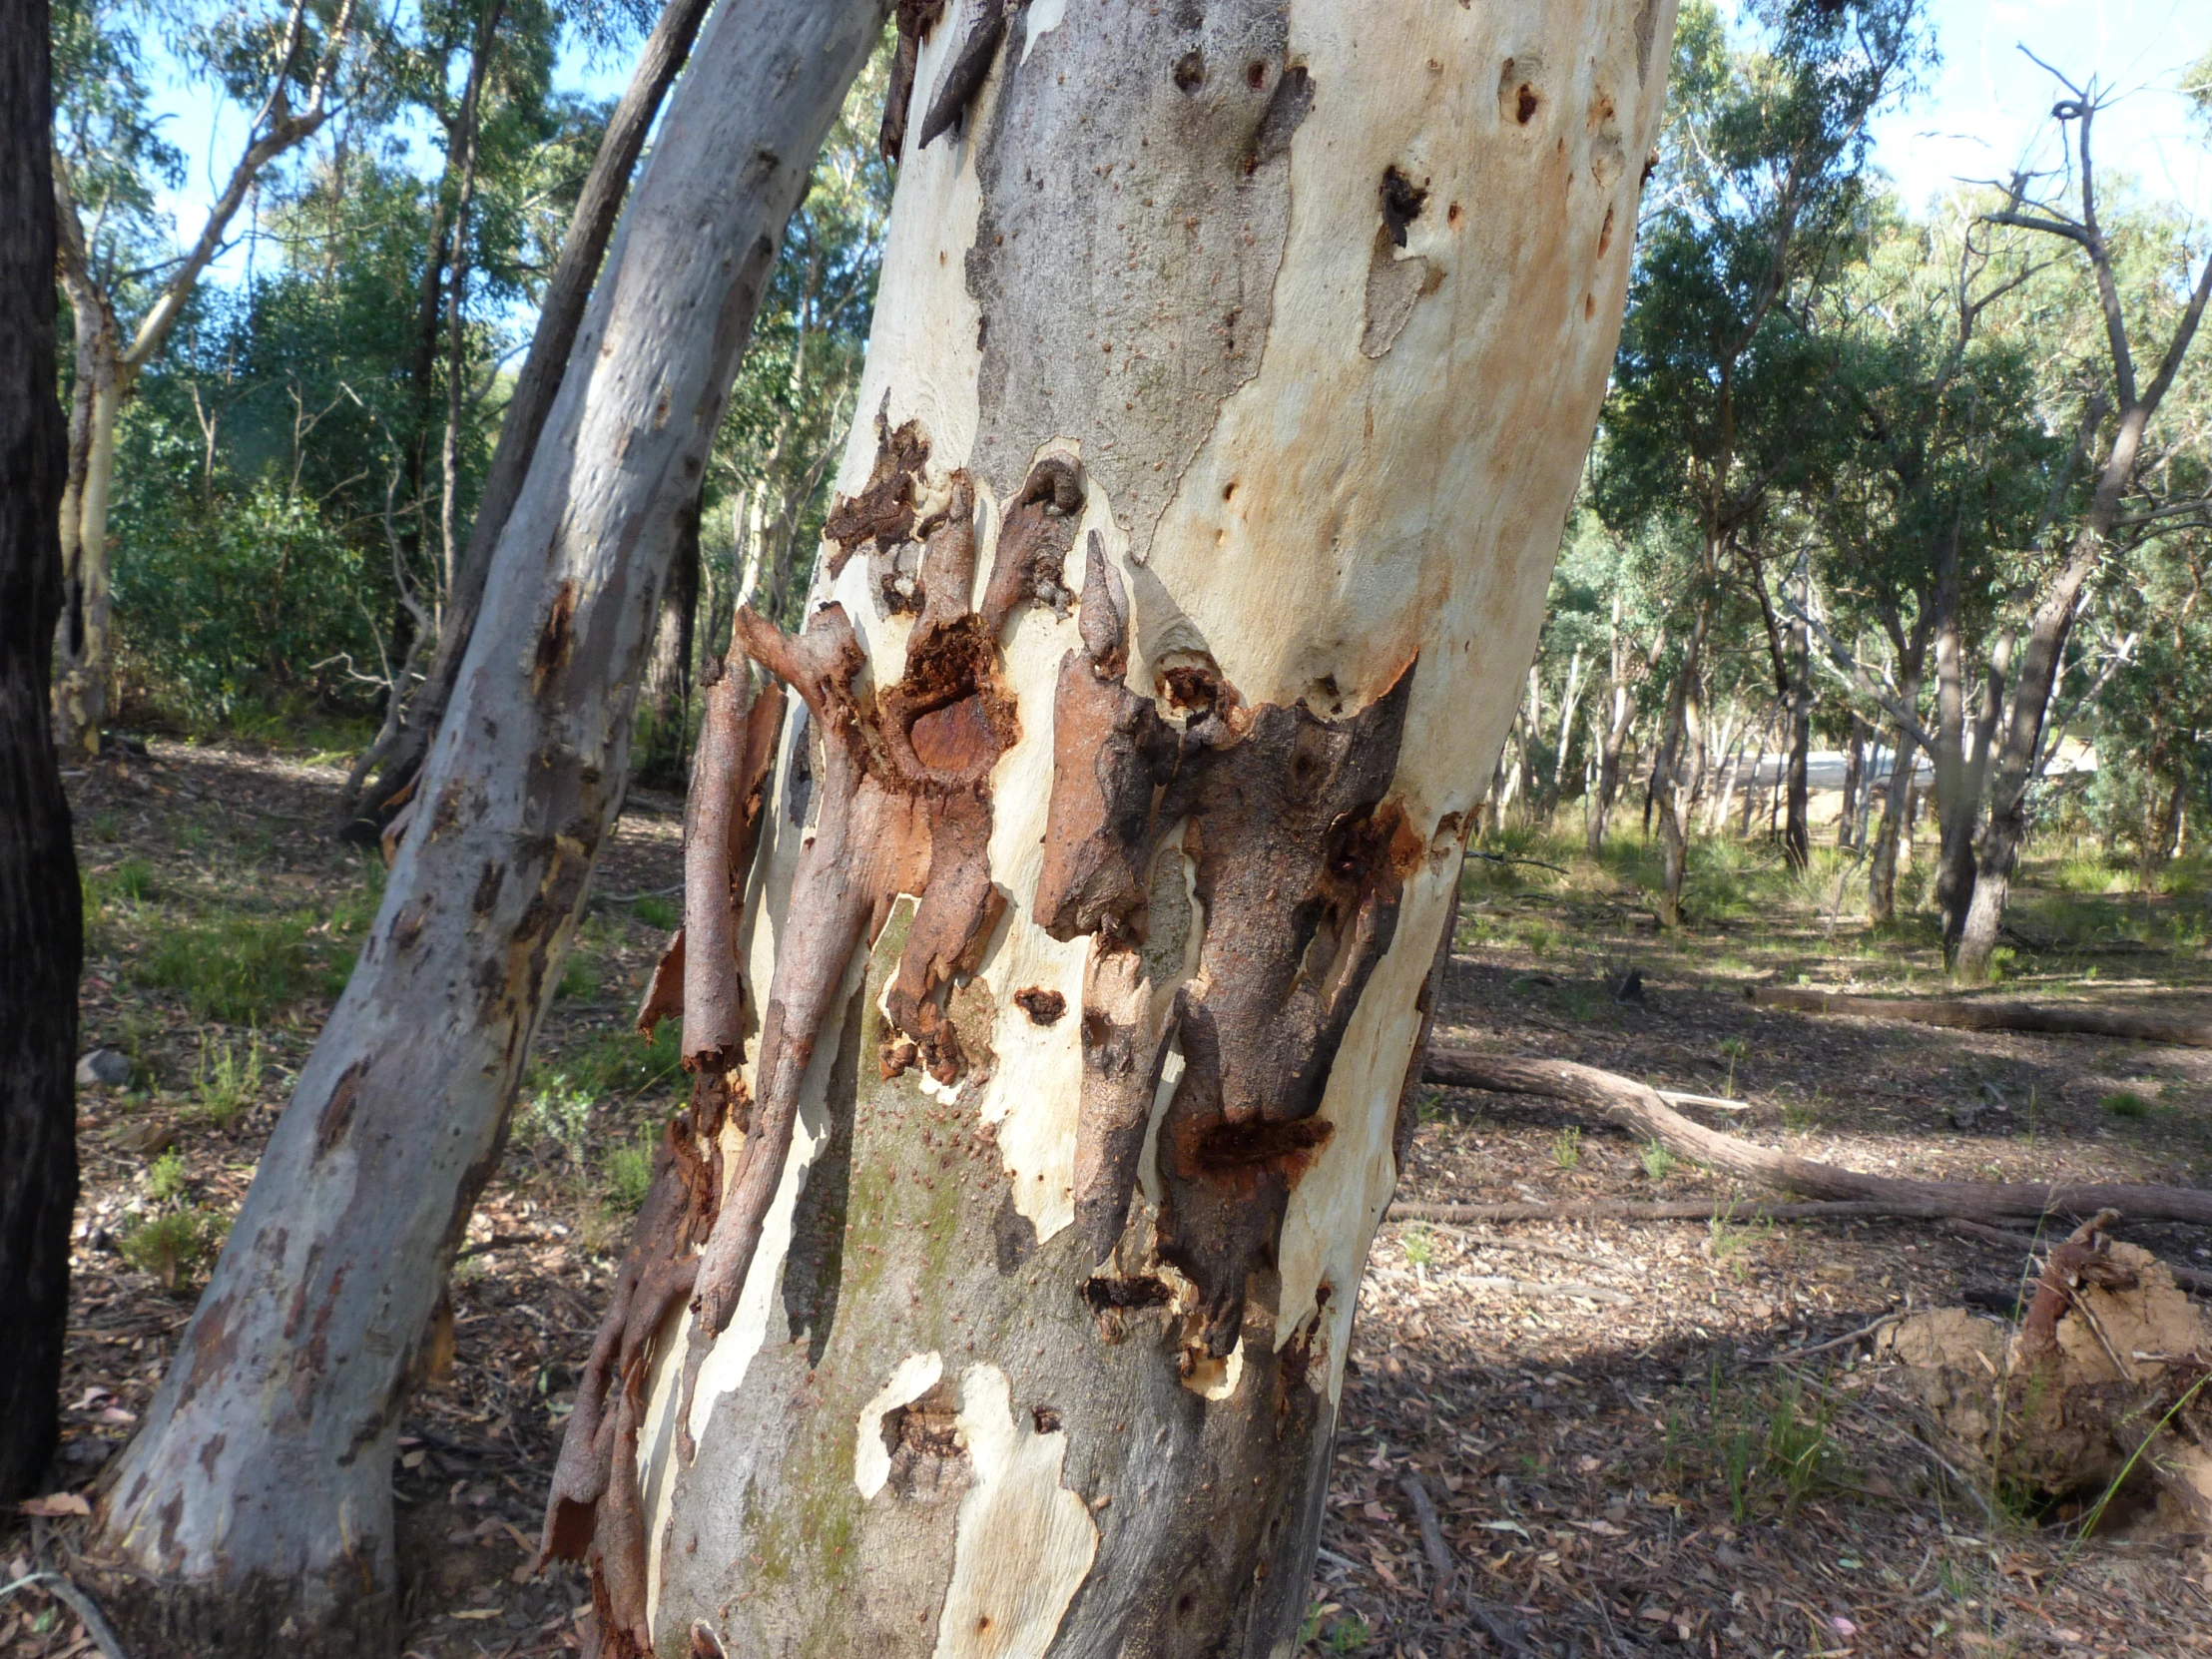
column 1432, row 1542
column 1967, row 1014
column 2189, row 1279
column 1508, row 858
column 1623, row 1209
column 1534, row 1286
column 1632, row 1106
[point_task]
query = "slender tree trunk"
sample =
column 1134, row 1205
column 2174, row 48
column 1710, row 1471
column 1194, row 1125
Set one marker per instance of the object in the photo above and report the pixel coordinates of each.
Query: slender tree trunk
column 1896, row 802
column 1567, row 705
column 41, row 918
column 252, row 1514
column 1668, row 791
column 1621, row 720
column 466, row 132
column 1020, row 1320
column 83, row 658
column 1854, row 767
column 668, row 674
column 560, row 313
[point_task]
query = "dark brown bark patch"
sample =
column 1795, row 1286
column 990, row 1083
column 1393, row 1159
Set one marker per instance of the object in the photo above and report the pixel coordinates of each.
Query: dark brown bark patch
column 929, row 1462
column 336, row 1116
column 964, row 78
column 1042, row 1006
column 915, row 18
column 555, row 639
column 883, row 511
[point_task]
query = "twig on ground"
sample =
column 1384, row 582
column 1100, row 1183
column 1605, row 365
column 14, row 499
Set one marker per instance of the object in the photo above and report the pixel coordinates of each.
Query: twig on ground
column 1524, row 1247
column 87, row 1610
column 1536, row 1287
column 1834, row 1342
column 1711, row 1102
column 1499, row 1629
column 1431, row 1540
column 1508, row 858
column 499, row 1240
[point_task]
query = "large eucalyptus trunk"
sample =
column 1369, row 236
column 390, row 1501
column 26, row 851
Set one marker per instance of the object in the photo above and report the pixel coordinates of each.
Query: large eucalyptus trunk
column 41, row 921
column 252, row 1514
column 1230, row 381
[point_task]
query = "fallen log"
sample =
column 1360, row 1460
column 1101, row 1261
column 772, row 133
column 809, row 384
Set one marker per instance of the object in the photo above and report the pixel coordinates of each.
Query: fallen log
column 1632, row 1106
column 1969, row 1014
column 1622, row 1209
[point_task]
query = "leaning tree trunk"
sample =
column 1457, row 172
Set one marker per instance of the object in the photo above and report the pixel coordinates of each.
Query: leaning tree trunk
column 252, row 1514
column 41, row 921
column 397, row 756
column 1229, row 385
column 1666, row 777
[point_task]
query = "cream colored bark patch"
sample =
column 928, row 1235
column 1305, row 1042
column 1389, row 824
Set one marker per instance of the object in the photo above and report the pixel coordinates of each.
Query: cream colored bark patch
column 914, row 1376
column 1025, row 1543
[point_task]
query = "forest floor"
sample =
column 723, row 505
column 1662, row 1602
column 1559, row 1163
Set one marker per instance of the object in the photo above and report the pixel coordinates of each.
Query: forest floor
column 1632, row 1445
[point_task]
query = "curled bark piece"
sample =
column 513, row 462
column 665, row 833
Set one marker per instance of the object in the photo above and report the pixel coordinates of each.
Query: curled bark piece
column 1630, row 1104
column 1972, row 1014
column 883, row 511
column 1111, row 752
column 1034, row 542
column 655, row 1278
column 916, row 17
column 904, row 809
column 965, row 76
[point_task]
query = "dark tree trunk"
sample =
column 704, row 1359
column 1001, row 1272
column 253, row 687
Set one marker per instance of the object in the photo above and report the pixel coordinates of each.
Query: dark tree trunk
column 1855, row 767
column 668, row 676
column 41, row 941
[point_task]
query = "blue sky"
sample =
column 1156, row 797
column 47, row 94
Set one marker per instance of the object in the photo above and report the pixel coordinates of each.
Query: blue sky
column 1985, row 112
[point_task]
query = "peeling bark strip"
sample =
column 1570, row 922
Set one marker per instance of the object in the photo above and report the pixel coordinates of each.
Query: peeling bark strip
column 1090, row 956
column 1298, row 865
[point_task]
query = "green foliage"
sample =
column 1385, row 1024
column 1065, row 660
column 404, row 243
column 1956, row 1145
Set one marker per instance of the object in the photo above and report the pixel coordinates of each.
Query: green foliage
column 1419, row 1248
column 227, row 1080
column 629, row 1172
column 1658, row 1162
column 1566, row 1149
column 660, row 914
column 165, row 1178
column 2125, row 1103
column 172, row 1245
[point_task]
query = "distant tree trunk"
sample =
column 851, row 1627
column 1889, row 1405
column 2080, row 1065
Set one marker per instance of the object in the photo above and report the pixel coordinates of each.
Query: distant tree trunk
column 2044, row 655
column 1620, row 720
column 396, row 760
column 1896, row 802
column 251, row 1516
column 1854, row 767
column 1020, row 1317
column 668, row 673
column 41, row 915
column 1568, row 703
column 1668, row 789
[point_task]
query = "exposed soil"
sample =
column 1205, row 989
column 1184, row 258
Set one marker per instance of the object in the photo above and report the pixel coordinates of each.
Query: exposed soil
column 1638, row 1438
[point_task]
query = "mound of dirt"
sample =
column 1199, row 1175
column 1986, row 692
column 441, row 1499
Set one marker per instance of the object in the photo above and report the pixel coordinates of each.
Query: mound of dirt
column 2096, row 1403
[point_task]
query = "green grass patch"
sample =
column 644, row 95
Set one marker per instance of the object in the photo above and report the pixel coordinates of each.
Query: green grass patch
column 2125, row 1103
column 240, row 966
